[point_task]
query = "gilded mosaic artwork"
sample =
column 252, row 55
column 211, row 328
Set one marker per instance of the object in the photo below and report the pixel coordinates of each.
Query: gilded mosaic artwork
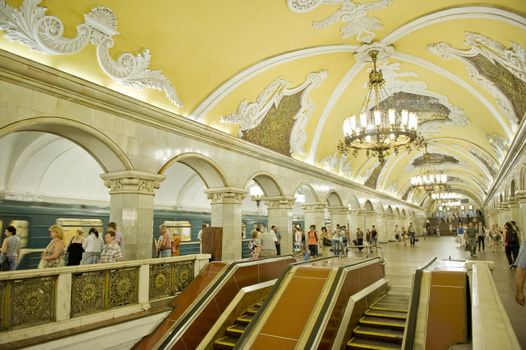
column 372, row 181
column 428, row 108
column 275, row 129
column 511, row 86
column 435, row 158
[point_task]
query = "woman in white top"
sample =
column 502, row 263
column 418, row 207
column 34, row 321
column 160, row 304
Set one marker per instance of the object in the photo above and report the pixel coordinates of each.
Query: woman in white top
column 92, row 248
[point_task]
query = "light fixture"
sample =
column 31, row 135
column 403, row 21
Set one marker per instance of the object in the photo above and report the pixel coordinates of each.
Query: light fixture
column 376, row 131
column 445, row 195
column 256, row 194
column 428, row 179
column 300, row 198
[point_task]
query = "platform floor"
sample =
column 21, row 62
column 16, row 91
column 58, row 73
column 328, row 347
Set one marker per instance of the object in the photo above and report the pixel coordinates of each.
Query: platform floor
column 401, row 259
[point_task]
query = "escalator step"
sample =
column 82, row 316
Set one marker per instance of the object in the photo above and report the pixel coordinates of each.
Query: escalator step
column 390, row 307
column 225, row 343
column 253, row 310
column 382, row 334
column 235, row 330
column 387, row 314
column 380, row 322
column 244, row 319
column 356, row 343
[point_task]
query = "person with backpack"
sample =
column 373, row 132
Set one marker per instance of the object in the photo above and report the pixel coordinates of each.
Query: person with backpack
column 511, row 243
column 471, row 239
column 312, row 241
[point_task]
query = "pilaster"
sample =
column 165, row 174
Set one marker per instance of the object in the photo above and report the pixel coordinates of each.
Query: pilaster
column 357, row 219
column 280, row 214
column 314, row 214
column 226, row 213
column 338, row 216
column 131, row 207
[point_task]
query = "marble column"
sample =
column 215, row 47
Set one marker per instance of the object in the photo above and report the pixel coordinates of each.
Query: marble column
column 381, row 227
column 280, row 214
column 370, row 220
column 226, row 213
column 338, row 216
column 314, row 214
column 389, row 227
column 521, row 201
column 356, row 220
column 131, row 208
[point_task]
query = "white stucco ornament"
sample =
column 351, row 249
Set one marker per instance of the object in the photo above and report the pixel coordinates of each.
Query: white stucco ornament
column 251, row 114
column 353, row 14
column 30, row 26
column 513, row 59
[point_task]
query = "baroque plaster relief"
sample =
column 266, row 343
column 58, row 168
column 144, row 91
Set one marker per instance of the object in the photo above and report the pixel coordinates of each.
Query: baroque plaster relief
column 435, row 158
column 353, row 15
column 30, row 26
column 279, row 115
column 500, row 70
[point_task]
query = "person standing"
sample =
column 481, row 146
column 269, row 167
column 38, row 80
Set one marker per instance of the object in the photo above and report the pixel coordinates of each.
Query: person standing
column 481, row 236
column 404, row 235
column 75, row 249
column 200, row 237
column 336, row 238
column 53, row 255
column 119, row 237
column 359, row 238
column 460, row 236
column 268, row 243
column 255, row 245
column 520, row 277
column 374, row 236
column 176, row 242
column 298, row 239
column 312, row 241
column 511, row 243
column 111, row 251
column 278, row 239
column 396, row 234
column 165, row 243
column 471, row 239
column 411, row 233
column 10, row 248
column 92, row 248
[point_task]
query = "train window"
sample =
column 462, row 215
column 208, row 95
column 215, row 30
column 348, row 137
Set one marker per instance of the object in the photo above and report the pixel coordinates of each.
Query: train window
column 70, row 226
column 22, row 229
column 183, row 228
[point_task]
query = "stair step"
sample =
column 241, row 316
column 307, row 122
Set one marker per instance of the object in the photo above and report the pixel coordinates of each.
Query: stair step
column 235, row 330
column 356, row 343
column 387, row 314
column 225, row 343
column 380, row 322
column 382, row 334
column 244, row 319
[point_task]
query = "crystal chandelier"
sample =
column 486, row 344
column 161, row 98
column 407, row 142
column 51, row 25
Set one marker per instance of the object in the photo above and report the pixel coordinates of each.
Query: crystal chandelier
column 445, row 195
column 381, row 131
column 429, row 180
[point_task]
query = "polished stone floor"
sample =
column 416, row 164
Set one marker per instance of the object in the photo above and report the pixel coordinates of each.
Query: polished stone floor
column 403, row 260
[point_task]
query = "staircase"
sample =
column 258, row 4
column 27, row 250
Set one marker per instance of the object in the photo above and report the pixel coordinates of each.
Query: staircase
column 383, row 324
column 234, row 332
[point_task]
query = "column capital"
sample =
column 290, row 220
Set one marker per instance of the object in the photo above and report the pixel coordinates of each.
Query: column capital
column 279, row 202
column 338, row 209
column 521, row 196
column 226, row 195
column 132, row 181
column 314, row 207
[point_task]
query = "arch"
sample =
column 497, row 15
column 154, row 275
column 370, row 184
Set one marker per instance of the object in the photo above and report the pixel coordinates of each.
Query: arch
column 397, row 212
column 267, row 182
column 368, row 206
column 102, row 148
column 404, row 215
column 308, row 191
column 354, row 202
column 390, row 210
column 207, row 169
column 334, row 199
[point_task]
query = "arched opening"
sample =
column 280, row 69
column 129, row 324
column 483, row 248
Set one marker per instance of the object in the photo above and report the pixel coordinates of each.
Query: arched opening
column 104, row 150
column 353, row 202
column 368, row 206
column 267, row 183
column 512, row 189
column 333, row 199
column 390, row 210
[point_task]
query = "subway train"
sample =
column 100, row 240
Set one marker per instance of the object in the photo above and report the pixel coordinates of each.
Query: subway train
column 32, row 220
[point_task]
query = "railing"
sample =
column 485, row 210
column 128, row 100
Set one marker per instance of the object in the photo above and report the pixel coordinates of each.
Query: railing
column 47, row 296
column 409, row 334
column 369, row 250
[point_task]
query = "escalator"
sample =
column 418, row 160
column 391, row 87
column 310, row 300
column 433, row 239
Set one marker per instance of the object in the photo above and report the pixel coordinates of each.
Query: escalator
column 382, row 326
column 236, row 330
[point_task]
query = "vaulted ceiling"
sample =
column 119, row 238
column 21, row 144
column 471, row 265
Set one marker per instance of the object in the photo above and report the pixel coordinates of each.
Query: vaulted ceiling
column 285, row 74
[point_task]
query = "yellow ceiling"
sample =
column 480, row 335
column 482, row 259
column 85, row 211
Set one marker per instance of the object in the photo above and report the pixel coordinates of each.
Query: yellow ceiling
column 201, row 46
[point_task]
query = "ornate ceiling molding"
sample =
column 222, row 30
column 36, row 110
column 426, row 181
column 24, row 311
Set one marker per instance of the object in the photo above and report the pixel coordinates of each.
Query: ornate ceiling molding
column 499, row 144
column 250, row 114
column 353, row 15
column 513, row 59
column 31, row 27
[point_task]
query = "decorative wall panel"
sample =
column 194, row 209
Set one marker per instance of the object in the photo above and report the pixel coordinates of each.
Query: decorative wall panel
column 88, row 289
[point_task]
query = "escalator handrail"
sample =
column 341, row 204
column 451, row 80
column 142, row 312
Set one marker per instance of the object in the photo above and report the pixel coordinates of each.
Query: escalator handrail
column 192, row 311
column 329, row 300
column 248, row 330
column 409, row 333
